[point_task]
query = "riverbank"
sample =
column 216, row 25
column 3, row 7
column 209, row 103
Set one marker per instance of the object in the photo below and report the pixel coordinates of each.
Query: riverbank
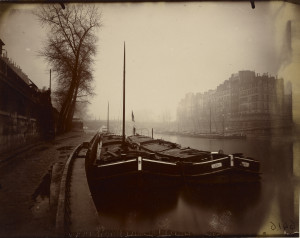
column 25, row 186
column 289, row 132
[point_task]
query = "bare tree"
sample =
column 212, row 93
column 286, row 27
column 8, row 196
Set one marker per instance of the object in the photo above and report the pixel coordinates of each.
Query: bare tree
column 69, row 49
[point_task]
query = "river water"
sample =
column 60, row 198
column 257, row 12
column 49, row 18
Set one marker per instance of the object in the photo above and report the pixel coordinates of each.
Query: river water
column 269, row 208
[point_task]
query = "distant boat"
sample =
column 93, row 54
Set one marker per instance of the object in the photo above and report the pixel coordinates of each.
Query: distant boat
column 217, row 134
column 103, row 129
column 207, row 135
column 220, row 136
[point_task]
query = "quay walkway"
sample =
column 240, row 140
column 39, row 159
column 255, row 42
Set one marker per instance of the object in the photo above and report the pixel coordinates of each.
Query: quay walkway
column 76, row 212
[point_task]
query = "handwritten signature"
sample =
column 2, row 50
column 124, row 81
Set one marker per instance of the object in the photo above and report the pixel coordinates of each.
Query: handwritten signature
column 283, row 226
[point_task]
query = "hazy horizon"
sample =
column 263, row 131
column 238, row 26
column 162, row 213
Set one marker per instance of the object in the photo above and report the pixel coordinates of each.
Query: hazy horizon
column 171, row 49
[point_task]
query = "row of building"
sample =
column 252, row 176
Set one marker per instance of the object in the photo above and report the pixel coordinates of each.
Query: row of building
column 246, row 102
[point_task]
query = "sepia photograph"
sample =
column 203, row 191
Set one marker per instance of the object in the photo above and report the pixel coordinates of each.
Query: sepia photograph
column 149, row 119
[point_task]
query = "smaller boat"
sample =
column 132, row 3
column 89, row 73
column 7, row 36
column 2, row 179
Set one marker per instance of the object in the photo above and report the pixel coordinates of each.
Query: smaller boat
column 222, row 168
column 198, row 166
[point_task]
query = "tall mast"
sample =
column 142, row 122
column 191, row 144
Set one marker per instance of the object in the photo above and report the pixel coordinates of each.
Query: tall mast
column 223, row 124
column 123, row 133
column 49, row 82
column 210, row 120
column 108, row 117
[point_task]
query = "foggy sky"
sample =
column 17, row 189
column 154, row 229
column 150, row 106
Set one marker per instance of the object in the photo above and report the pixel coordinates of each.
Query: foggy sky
column 171, row 49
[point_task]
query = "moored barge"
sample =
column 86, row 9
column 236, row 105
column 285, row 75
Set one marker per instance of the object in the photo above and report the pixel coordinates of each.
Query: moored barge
column 116, row 164
column 144, row 161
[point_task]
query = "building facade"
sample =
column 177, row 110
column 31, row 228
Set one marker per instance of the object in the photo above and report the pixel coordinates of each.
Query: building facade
column 26, row 112
column 246, row 102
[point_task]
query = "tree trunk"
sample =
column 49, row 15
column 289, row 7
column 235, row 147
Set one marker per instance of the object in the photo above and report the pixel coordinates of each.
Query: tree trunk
column 71, row 110
column 66, row 106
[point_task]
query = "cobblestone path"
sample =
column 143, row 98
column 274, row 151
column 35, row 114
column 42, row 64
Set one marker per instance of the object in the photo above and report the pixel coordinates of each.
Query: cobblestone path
column 22, row 212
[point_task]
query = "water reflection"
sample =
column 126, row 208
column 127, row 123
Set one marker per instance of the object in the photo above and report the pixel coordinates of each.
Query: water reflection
column 270, row 207
column 139, row 210
column 296, row 160
column 224, row 207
